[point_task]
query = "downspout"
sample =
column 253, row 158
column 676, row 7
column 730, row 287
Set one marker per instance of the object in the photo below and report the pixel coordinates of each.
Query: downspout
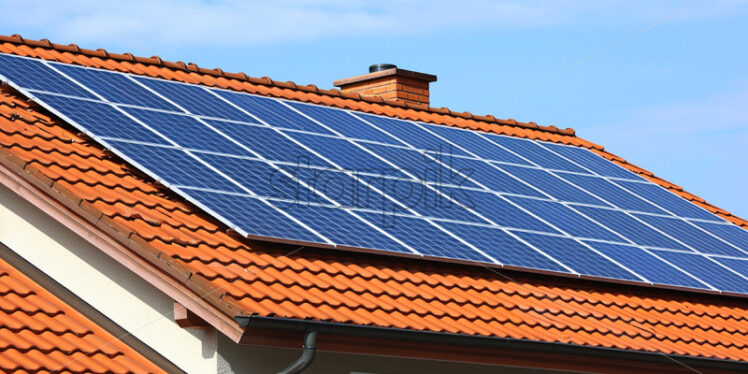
column 307, row 355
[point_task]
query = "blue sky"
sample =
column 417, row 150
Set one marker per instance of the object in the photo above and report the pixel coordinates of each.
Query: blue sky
column 672, row 99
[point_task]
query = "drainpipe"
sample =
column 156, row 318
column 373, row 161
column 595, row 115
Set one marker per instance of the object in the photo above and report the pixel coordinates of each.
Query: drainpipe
column 307, row 356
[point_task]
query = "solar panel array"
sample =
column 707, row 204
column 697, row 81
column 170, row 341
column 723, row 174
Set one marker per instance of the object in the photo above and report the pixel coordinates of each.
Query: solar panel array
column 294, row 172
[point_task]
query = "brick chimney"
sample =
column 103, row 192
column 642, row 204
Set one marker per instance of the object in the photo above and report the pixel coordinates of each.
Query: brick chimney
column 391, row 83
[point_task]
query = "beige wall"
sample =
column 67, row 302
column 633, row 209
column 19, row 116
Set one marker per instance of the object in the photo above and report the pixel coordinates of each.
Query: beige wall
column 118, row 293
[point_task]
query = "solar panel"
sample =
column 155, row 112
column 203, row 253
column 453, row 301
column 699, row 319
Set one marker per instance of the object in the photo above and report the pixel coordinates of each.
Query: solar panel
column 302, row 173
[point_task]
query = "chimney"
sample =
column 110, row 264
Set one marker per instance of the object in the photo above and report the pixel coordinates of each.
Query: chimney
column 391, row 83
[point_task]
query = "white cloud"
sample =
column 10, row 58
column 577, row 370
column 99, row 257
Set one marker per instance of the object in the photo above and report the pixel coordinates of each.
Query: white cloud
column 241, row 23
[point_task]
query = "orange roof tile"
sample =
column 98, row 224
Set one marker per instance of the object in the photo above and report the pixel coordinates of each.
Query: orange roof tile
column 250, row 277
column 41, row 333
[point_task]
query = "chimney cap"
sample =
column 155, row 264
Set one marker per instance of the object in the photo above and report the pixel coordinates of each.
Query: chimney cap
column 379, row 67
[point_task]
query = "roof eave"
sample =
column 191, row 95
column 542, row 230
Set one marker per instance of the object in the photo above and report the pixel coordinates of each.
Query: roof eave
column 588, row 356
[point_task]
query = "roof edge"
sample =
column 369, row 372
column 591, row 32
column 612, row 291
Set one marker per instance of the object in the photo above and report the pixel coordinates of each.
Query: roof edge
column 267, row 81
column 445, row 338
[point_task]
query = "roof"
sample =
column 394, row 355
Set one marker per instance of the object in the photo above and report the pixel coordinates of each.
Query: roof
column 249, row 277
column 40, row 332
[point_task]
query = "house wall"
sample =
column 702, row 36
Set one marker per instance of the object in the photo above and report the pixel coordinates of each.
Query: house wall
column 106, row 285
column 143, row 310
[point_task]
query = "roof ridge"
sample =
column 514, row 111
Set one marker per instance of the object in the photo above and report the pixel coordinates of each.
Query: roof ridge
column 267, row 81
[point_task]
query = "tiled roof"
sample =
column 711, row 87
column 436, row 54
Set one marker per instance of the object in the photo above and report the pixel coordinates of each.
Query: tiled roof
column 248, row 277
column 41, row 333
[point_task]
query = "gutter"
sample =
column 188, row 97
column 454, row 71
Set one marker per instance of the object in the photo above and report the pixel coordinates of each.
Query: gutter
column 415, row 336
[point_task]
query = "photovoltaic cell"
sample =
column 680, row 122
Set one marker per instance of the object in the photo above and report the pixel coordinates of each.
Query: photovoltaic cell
column 422, row 199
column 272, row 112
column 552, row 185
column 116, row 88
column 175, row 166
column 566, row 219
column 646, row 265
column 348, row 191
column 268, row 143
column 533, row 152
column 503, row 247
column 34, row 75
column 690, row 235
column 344, row 123
column 346, row 154
column 196, row 99
column 611, row 193
column 578, row 257
column 477, row 144
column 731, row 233
column 418, row 164
column 629, row 227
column 591, row 161
column 243, row 211
column 498, row 210
column 259, row 177
column 413, row 135
column 424, row 237
column 101, row 119
column 707, row 270
column 667, row 200
column 491, row 177
column 738, row 265
column 343, row 228
column 186, row 131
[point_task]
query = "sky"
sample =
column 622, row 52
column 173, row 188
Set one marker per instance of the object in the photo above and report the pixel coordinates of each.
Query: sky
column 663, row 84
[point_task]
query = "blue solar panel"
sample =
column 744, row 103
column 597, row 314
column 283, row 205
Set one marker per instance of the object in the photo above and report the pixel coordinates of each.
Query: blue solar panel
column 198, row 99
column 667, row 200
column 346, row 154
column 533, row 152
column 34, row 75
column 690, row 235
column 186, row 131
column 646, row 265
column 413, row 135
column 238, row 141
column 422, row 199
column 629, row 227
column 591, row 161
column 491, row 177
column 348, row 191
column 731, row 233
column 268, row 143
column 260, row 177
column 566, row 219
column 344, row 123
column 478, row 145
column 342, row 228
column 272, row 112
column 738, row 265
column 707, row 270
column 502, row 247
column 611, row 193
column 419, row 165
column 101, row 119
column 175, row 166
column 553, row 185
column 429, row 240
column 116, row 88
column 498, row 210
column 576, row 256
column 244, row 211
